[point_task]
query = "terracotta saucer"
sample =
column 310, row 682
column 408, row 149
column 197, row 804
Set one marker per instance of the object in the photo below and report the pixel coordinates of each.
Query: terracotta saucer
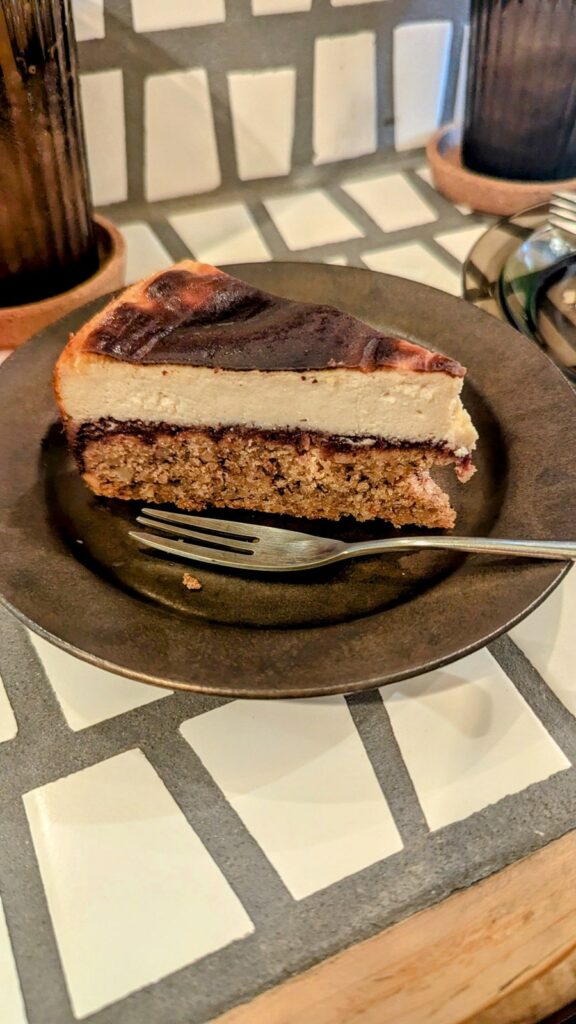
column 19, row 323
column 480, row 192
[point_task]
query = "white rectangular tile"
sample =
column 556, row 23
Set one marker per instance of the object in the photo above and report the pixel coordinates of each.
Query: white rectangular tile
column 88, row 19
column 11, row 1003
column 415, row 262
column 144, row 251
column 8, row 726
column 390, row 200
column 344, row 97
column 298, row 776
column 262, row 105
column 460, row 242
column 221, row 234
column 352, row 3
column 104, row 123
column 337, row 261
column 156, row 15
column 548, row 640
column 280, row 6
column 180, row 142
column 87, row 694
column 460, row 99
column 468, row 738
column 307, row 219
column 117, row 928
column 420, row 69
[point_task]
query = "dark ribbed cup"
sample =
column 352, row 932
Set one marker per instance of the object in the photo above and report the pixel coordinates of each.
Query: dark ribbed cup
column 521, row 97
column 47, row 240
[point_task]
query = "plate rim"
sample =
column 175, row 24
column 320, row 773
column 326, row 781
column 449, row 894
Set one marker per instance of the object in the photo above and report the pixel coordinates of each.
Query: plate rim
column 294, row 693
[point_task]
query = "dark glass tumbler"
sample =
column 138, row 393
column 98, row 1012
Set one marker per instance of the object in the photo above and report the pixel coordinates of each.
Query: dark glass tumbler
column 521, row 94
column 47, row 238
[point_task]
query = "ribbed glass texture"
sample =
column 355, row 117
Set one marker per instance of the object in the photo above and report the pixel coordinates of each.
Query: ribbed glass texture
column 521, row 96
column 47, row 240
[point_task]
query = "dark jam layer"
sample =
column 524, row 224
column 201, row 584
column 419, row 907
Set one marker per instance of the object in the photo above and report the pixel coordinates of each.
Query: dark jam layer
column 211, row 319
column 148, row 433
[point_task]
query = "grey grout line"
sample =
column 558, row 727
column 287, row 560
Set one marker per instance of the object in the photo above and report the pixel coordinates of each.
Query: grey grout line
column 88, row 747
column 442, row 254
column 29, row 925
column 45, row 748
column 375, row 730
column 43, row 737
column 270, row 232
column 557, row 719
column 322, row 176
column 238, row 11
column 385, row 86
column 356, row 213
column 302, row 144
column 170, row 238
column 26, row 685
column 228, row 841
column 134, row 115
column 116, row 16
column 222, row 113
column 486, row 841
column 447, row 211
column 117, row 12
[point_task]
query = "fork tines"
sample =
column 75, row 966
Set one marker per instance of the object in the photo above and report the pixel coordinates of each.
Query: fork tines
column 213, row 533
column 211, row 527
column 224, row 542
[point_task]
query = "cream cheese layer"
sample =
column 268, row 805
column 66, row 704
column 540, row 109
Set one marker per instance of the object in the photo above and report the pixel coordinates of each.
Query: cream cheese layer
column 391, row 404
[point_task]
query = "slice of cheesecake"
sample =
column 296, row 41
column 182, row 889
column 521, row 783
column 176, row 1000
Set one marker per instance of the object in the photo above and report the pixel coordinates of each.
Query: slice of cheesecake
column 196, row 389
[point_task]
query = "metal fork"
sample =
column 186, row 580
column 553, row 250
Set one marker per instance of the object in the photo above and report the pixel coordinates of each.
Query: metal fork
column 269, row 549
column 562, row 211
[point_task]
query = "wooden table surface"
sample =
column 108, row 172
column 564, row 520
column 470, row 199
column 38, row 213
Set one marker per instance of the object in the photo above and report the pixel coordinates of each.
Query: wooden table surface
column 502, row 952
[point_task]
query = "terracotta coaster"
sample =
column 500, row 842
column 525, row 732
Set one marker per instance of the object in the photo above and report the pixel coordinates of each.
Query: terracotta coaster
column 481, row 193
column 19, row 323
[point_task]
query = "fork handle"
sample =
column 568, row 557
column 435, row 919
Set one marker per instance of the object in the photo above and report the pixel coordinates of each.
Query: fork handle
column 556, row 549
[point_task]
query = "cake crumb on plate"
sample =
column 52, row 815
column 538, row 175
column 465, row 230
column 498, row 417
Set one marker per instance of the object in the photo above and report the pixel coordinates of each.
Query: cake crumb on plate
column 191, row 582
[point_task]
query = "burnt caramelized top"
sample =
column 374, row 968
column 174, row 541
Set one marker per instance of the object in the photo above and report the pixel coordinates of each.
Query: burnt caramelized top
column 208, row 318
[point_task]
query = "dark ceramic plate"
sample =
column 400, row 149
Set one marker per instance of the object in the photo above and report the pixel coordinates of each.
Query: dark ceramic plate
column 71, row 572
